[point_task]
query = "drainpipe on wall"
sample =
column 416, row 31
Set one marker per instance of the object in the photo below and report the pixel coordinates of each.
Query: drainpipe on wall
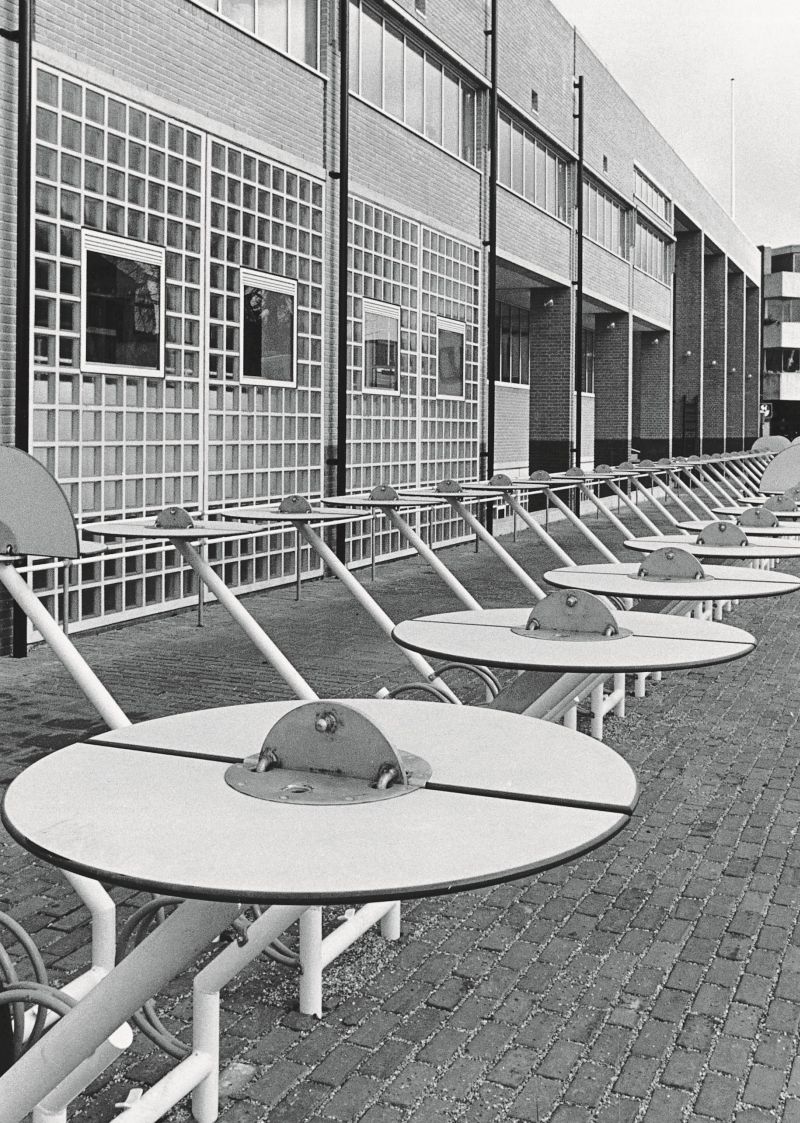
column 23, row 37
column 578, row 84
column 491, row 244
column 343, row 176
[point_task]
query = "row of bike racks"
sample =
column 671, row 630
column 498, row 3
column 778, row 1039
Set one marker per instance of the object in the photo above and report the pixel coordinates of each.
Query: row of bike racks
column 35, row 520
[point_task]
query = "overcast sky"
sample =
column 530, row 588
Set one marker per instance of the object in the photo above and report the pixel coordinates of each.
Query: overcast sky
column 676, row 59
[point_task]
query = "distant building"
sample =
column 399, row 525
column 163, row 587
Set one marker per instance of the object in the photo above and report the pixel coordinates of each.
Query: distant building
column 781, row 340
column 183, row 302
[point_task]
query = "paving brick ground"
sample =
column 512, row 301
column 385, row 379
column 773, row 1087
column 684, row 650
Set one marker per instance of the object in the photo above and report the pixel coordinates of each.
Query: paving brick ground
column 657, row 978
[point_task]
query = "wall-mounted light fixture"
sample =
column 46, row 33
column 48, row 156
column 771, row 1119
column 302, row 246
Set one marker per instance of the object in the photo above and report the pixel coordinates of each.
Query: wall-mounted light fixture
column 549, row 303
column 713, row 362
column 654, row 342
column 687, row 354
column 611, row 326
column 732, row 370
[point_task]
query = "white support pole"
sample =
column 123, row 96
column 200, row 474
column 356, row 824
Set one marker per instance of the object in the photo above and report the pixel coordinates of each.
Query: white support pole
column 580, row 526
column 167, row 951
column 607, row 513
column 169, row 1090
column 371, row 606
column 349, row 930
column 103, row 913
column 63, row 647
column 636, row 510
column 673, row 495
column 538, row 530
column 675, row 476
column 53, row 1108
column 428, row 555
column 483, row 534
column 310, row 950
column 722, row 482
column 650, row 497
column 254, row 632
column 207, row 985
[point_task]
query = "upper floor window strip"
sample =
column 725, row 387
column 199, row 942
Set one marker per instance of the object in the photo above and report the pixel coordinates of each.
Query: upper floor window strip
column 652, row 253
column 604, row 219
column 392, row 72
column 290, row 26
column 531, row 168
column 646, row 191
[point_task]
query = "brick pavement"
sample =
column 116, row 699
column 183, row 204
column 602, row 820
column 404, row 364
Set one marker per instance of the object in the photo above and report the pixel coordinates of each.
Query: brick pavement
column 657, row 978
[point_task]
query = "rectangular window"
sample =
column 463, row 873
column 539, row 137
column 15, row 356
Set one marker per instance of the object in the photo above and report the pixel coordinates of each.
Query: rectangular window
column 450, row 359
column 371, row 57
column 451, row 97
column 467, row 124
column 415, row 64
column 123, row 306
column 393, row 74
column 269, row 328
column 433, row 101
column 381, row 348
column 517, row 169
column 290, row 26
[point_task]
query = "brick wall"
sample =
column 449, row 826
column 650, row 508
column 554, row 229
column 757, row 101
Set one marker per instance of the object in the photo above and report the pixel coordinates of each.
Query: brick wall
column 606, row 274
column 715, row 310
column 525, row 233
column 432, row 183
column 734, row 428
column 551, row 379
column 652, row 394
column 687, row 343
column 179, row 51
column 612, row 365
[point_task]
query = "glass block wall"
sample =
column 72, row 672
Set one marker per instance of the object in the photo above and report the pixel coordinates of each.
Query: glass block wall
column 413, row 437
column 201, row 435
column 129, row 445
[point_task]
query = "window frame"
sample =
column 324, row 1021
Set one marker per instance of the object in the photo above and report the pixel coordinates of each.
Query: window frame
column 457, row 327
column 390, row 312
column 95, row 241
column 271, row 282
column 213, row 8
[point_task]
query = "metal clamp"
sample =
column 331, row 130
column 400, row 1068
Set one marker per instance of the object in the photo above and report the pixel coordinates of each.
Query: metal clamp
column 327, row 753
column 174, row 518
column 670, row 564
column 294, row 505
column 722, row 534
column 572, row 614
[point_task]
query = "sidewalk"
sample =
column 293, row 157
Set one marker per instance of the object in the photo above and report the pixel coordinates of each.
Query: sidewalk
column 657, row 978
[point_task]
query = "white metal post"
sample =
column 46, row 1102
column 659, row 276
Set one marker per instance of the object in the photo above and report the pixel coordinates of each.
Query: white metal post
column 482, row 533
column 254, row 632
column 371, row 606
column 62, row 647
column 172, row 947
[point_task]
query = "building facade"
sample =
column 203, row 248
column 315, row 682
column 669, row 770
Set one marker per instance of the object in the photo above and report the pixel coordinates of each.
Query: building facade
column 185, row 304
column 781, row 368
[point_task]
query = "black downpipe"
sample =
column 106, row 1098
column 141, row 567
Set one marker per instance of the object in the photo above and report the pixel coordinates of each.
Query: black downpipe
column 579, row 280
column 343, row 176
column 491, row 243
column 24, row 39
column 762, row 312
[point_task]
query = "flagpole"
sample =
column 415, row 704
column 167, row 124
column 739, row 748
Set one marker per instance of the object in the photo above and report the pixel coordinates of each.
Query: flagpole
column 733, row 153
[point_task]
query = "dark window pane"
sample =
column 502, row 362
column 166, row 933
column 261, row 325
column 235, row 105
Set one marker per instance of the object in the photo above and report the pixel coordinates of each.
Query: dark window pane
column 451, row 362
column 268, row 334
column 380, row 351
column 123, row 311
